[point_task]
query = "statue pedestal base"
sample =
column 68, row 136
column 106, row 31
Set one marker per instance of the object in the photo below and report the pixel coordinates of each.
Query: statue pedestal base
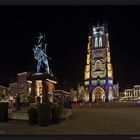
column 41, row 85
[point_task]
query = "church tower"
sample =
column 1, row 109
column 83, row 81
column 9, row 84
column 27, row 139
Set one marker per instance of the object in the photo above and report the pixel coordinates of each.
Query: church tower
column 98, row 71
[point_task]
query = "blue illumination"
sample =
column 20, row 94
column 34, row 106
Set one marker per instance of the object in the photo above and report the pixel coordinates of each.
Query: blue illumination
column 94, row 82
column 102, row 82
column 110, row 81
column 40, row 53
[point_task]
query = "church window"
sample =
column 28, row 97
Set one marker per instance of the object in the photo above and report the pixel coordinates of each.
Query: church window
column 86, row 82
column 110, row 81
column 96, row 42
column 102, row 82
column 94, row 82
column 100, row 42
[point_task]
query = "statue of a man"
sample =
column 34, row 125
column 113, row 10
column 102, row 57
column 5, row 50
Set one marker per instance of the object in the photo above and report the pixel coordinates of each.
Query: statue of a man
column 40, row 54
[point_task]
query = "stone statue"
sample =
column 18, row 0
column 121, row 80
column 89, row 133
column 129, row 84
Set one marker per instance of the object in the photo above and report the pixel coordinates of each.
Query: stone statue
column 40, row 54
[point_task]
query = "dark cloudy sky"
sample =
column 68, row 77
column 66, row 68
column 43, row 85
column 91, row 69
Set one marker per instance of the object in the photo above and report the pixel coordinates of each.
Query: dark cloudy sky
column 67, row 29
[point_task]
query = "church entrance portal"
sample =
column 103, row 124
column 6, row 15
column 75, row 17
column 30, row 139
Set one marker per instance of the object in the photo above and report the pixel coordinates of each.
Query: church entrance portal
column 98, row 94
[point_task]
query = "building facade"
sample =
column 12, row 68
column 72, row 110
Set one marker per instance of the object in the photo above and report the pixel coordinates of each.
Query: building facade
column 25, row 85
column 98, row 71
column 4, row 90
column 13, row 89
column 132, row 93
column 21, row 85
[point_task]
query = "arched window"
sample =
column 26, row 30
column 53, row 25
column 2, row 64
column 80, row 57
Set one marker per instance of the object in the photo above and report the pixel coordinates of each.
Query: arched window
column 96, row 42
column 100, row 42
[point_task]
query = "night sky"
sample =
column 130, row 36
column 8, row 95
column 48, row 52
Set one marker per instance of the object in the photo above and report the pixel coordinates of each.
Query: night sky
column 67, row 29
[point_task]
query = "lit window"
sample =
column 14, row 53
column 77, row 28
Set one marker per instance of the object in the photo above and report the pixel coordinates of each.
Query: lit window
column 86, row 83
column 94, row 82
column 96, row 42
column 100, row 42
column 110, row 81
column 102, row 82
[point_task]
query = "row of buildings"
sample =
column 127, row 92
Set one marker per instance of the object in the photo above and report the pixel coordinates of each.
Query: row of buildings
column 98, row 76
column 26, row 84
column 23, row 85
column 132, row 93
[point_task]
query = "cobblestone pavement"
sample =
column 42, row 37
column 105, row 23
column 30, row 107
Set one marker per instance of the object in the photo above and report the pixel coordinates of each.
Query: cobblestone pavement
column 84, row 121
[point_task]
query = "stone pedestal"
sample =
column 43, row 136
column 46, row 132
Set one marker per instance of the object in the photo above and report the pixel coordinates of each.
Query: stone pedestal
column 45, row 81
column 33, row 92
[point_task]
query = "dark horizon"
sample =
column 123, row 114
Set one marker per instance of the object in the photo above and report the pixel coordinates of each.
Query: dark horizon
column 67, row 29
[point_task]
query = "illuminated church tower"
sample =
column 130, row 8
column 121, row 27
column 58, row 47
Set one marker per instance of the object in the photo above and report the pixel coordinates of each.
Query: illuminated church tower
column 98, row 71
